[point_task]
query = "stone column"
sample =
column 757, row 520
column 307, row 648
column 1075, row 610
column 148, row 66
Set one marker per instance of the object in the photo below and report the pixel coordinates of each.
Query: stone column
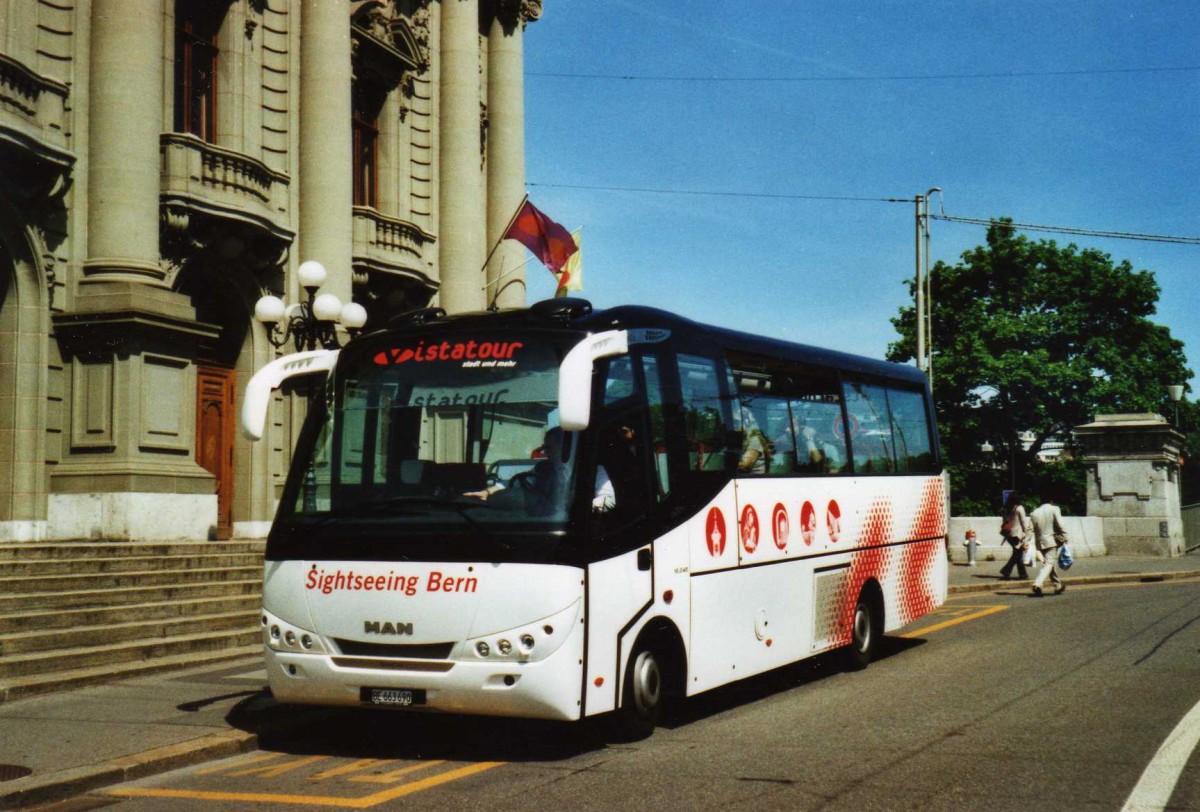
column 326, row 164
column 128, row 341
column 125, row 120
column 506, row 153
column 461, row 230
column 1133, row 482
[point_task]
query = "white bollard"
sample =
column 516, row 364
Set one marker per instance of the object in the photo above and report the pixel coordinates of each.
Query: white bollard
column 972, row 545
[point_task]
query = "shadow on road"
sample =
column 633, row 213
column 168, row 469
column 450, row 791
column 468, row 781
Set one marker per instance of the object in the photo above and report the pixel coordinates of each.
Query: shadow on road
column 369, row 733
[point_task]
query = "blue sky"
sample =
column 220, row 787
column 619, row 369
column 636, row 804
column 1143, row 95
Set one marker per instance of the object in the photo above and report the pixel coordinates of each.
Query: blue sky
column 1100, row 132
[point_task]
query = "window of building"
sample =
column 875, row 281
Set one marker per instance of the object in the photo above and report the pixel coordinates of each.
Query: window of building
column 196, row 25
column 367, row 103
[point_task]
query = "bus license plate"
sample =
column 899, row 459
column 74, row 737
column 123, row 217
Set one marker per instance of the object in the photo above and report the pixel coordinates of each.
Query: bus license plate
column 390, row 696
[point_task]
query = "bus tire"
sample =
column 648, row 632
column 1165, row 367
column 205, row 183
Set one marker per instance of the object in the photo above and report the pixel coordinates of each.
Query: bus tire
column 865, row 630
column 644, row 695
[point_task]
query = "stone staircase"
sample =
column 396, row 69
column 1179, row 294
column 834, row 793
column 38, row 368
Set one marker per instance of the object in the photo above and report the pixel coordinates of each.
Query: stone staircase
column 80, row 613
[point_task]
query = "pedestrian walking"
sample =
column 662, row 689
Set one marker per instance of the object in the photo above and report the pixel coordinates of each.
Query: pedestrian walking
column 1014, row 529
column 1049, row 535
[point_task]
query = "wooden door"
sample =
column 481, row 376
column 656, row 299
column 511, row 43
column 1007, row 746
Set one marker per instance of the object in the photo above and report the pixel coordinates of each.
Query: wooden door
column 214, row 437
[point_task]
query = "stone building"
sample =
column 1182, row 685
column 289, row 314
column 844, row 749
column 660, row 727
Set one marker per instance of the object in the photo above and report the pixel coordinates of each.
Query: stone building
column 163, row 164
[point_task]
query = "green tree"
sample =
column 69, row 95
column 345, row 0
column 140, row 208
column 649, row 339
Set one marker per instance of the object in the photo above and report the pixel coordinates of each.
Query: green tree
column 1033, row 337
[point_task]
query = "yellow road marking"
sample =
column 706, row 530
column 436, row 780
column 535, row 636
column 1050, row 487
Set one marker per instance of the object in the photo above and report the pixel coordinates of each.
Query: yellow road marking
column 241, row 763
column 273, row 771
column 352, row 767
column 990, row 610
column 310, row 800
column 394, row 775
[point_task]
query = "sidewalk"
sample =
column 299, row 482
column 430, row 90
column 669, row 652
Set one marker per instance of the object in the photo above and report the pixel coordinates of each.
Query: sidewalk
column 985, row 576
column 69, row 743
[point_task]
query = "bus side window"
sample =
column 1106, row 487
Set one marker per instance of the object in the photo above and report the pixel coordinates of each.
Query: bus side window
column 819, row 434
column 870, row 428
column 658, row 427
column 705, row 414
column 910, row 428
column 624, row 486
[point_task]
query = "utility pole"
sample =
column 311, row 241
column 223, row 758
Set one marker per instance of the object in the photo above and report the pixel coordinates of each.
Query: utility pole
column 919, row 200
column 924, row 286
column 928, row 291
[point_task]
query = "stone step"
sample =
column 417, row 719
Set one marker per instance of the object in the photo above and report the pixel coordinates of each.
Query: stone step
column 27, row 568
column 120, row 580
column 113, row 549
column 62, row 618
column 81, row 657
column 38, row 684
column 102, row 635
column 128, row 596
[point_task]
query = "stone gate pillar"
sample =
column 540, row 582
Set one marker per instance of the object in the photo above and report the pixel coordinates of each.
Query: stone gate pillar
column 1133, row 482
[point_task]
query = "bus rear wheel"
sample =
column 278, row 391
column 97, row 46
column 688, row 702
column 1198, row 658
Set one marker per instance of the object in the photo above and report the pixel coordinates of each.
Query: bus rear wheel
column 866, row 628
column 644, row 695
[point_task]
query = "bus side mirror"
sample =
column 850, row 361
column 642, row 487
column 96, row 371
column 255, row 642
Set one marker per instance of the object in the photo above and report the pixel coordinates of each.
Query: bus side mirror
column 270, row 377
column 575, row 376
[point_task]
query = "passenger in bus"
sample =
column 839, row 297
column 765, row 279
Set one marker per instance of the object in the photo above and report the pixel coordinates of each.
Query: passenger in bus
column 755, row 455
column 605, row 497
column 620, row 472
column 818, row 454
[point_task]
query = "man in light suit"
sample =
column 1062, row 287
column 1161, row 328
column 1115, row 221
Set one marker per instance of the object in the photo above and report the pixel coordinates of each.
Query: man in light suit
column 1049, row 535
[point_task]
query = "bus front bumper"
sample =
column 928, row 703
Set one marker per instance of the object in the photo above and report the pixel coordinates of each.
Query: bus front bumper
column 545, row 689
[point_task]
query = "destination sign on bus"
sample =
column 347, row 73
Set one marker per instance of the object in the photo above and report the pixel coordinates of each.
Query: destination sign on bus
column 468, row 351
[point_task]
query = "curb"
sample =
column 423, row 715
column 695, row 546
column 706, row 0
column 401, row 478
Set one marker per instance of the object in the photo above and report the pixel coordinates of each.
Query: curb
column 1133, row 577
column 55, row 786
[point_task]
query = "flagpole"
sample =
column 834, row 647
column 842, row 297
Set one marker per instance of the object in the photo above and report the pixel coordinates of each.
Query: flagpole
column 500, row 239
column 509, row 272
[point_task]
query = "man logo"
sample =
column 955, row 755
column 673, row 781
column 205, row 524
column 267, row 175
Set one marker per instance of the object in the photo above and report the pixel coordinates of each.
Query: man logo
column 375, row 627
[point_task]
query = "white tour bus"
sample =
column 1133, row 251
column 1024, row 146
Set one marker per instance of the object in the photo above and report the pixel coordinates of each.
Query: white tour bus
column 559, row 513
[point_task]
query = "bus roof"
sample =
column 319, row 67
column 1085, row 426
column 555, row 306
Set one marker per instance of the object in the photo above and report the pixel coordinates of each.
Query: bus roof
column 578, row 315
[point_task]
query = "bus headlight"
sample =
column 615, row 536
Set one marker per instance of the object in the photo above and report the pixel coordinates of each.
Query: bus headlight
column 534, row 641
column 279, row 635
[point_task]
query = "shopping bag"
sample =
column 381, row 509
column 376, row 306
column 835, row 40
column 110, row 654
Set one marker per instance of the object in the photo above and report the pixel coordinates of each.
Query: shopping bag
column 1065, row 559
column 1027, row 556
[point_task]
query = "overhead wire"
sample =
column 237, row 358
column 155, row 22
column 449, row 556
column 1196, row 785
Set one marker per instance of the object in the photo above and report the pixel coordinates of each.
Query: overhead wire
column 1086, row 232
column 627, row 77
column 718, row 193
column 979, row 221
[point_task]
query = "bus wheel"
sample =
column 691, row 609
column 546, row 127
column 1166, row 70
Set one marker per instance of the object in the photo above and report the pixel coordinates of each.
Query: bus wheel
column 643, row 700
column 865, row 633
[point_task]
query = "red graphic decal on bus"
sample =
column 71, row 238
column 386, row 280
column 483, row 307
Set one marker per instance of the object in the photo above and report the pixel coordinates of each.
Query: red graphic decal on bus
column 808, row 523
column 447, row 351
column 780, row 525
column 749, row 529
column 714, row 532
column 833, row 519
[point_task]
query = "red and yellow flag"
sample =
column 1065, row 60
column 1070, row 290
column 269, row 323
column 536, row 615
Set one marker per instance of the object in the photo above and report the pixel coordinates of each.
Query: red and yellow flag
column 571, row 277
column 549, row 242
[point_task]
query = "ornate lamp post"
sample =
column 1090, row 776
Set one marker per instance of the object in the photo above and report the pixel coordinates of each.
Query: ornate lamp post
column 1175, row 393
column 309, row 324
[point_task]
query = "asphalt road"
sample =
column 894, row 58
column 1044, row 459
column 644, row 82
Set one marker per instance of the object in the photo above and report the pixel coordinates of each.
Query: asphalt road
column 1000, row 701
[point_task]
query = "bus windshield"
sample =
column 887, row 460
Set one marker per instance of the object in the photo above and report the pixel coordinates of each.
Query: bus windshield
column 458, row 436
